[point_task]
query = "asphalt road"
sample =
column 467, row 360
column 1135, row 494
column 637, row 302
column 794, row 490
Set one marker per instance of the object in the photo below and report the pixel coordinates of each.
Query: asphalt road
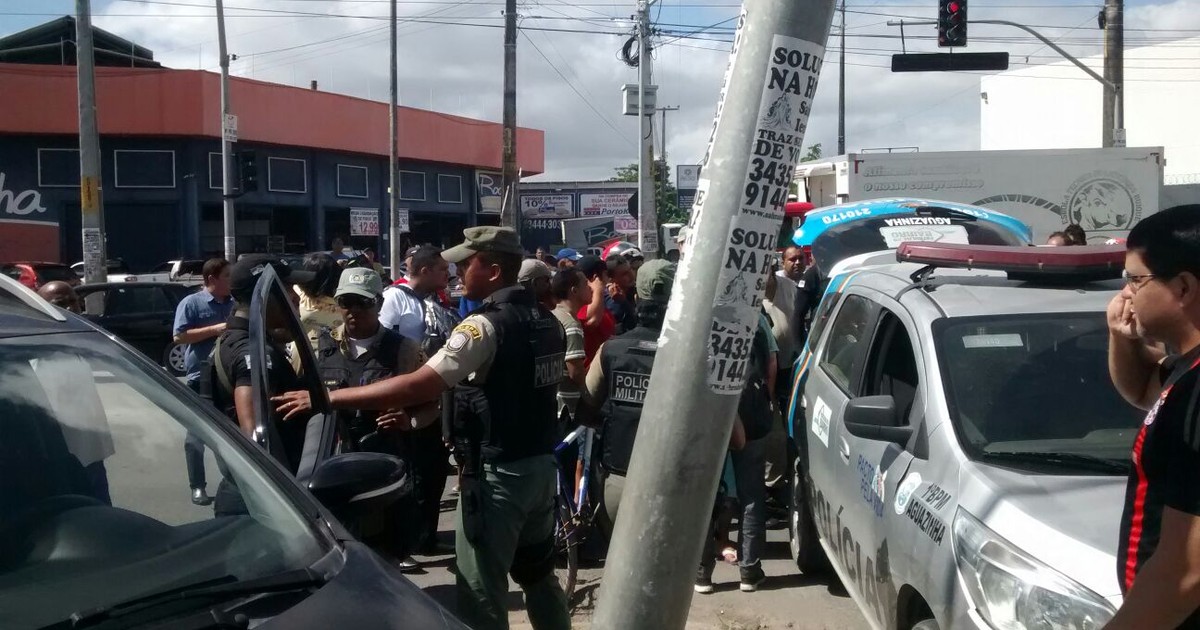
column 785, row 600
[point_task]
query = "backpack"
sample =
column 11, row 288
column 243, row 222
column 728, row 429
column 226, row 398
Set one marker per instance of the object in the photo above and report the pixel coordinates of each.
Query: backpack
column 754, row 406
column 439, row 321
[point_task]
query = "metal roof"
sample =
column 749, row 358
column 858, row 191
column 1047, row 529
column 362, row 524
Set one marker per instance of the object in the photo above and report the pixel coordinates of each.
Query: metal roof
column 53, row 43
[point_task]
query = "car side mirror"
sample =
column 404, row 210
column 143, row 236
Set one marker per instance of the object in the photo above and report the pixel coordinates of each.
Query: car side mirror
column 353, row 485
column 874, row 418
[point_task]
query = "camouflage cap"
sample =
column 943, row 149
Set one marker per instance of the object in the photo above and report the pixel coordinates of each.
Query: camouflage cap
column 485, row 238
column 655, row 279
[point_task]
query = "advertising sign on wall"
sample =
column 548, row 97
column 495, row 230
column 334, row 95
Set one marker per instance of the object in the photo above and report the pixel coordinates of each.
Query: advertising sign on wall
column 364, row 221
column 491, row 195
column 605, row 204
column 548, row 206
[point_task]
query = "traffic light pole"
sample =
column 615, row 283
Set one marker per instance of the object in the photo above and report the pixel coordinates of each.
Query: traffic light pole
column 230, row 218
column 1113, row 131
column 757, row 139
column 1119, row 118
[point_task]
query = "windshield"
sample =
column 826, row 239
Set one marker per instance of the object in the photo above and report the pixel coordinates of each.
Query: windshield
column 50, row 273
column 840, row 242
column 1034, row 384
column 95, row 503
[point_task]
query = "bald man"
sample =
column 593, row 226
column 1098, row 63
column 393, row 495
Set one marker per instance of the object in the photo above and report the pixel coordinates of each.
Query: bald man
column 60, row 294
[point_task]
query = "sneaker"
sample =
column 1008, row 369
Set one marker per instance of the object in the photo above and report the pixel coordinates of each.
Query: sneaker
column 200, row 497
column 752, row 577
column 408, row 565
column 704, row 586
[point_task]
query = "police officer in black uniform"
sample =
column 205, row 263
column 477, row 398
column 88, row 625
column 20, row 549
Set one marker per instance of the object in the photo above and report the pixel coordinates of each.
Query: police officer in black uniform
column 504, row 362
column 227, row 378
column 361, row 351
column 619, row 375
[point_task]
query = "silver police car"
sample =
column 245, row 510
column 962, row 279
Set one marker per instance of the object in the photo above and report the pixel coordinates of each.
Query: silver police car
column 961, row 455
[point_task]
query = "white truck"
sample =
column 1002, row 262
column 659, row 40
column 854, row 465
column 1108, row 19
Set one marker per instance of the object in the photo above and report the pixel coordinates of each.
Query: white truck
column 1105, row 191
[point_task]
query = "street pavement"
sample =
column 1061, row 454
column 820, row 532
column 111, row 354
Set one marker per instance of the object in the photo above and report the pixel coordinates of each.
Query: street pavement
column 785, row 600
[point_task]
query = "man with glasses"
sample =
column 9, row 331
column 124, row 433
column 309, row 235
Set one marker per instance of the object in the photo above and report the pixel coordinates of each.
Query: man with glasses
column 1158, row 558
column 362, row 351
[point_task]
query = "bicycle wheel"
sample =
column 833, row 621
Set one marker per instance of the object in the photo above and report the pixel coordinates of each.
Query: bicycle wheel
column 564, row 543
column 572, row 573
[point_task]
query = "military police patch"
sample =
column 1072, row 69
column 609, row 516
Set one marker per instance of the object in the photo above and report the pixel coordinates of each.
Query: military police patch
column 457, row 341
column 469, row 329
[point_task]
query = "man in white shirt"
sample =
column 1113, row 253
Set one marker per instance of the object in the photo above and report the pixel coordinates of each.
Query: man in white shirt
column 793, row 265
column 404, row 305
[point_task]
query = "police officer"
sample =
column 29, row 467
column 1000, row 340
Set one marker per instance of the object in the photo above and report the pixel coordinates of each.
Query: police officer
column 228, row 382
column 504, row 425
column 361, row 351
column 617, row 379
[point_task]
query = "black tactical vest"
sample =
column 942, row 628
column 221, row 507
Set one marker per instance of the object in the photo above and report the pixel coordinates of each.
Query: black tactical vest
column 626, row 361
column 513, row 415
column 338, row 371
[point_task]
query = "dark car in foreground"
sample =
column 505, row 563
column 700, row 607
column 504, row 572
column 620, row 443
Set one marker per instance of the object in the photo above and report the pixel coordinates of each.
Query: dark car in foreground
column 99, row 530
column 143, row 315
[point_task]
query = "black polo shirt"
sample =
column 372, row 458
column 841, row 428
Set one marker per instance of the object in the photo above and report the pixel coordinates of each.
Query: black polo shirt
column 235, row 350
column 1166, row 469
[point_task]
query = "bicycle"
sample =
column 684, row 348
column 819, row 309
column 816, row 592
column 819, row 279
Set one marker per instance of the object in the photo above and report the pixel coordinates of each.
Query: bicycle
column 573, row 510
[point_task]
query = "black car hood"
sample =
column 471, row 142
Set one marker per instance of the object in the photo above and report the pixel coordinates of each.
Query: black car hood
column 366, row 594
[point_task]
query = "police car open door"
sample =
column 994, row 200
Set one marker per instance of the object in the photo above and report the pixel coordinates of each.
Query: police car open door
column 274, row 322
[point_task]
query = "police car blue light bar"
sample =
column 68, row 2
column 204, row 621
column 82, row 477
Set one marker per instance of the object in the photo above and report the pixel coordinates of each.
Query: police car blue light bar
column 1086, row 263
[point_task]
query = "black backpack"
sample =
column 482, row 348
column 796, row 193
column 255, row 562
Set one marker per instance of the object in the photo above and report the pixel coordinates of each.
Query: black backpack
column 439, row 322
column 754, row 407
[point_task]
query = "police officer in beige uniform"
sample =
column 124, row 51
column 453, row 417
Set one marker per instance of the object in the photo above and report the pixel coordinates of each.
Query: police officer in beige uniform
column 504, row 428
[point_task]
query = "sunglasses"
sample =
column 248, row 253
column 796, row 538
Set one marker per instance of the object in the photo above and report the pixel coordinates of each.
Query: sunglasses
column 355, row 302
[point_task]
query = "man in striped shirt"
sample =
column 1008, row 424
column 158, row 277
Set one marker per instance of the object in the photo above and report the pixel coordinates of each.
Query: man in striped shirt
column 570, row 287
column 1158, row 561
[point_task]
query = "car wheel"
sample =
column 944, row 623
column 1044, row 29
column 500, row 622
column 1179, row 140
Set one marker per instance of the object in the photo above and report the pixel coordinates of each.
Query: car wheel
column 806, row 551
column 928, row 624
column 173, row 359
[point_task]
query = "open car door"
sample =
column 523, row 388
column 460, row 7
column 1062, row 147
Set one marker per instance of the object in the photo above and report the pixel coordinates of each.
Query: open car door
column 273, row 318
column 356, row 487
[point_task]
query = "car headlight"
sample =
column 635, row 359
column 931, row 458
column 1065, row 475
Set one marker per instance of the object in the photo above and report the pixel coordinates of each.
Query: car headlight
column 1013, row 591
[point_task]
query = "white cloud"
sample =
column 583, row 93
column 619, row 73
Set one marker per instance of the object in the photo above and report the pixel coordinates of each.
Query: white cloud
column 458, row 69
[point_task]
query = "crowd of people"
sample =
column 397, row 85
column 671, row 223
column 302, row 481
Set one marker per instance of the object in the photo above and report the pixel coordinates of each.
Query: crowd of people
column 536, row 346
column 557, row 342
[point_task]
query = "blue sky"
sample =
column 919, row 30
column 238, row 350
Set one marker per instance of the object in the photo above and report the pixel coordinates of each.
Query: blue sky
column 569, row 81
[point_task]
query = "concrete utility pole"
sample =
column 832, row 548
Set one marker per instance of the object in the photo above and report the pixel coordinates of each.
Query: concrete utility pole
column 230, row 217
column 95, row 259
column 647, row 200
column 1114, row 72
column 762, row 115
column 510, row 212
column 842, row 87
column 664, row 110
column 397, row 224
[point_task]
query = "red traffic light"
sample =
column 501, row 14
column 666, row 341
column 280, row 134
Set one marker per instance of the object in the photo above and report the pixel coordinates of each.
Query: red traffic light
column 954, row 7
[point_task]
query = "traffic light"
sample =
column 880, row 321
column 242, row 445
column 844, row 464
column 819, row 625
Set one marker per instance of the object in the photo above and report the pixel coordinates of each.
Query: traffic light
column 248, row 171
column 952, row 23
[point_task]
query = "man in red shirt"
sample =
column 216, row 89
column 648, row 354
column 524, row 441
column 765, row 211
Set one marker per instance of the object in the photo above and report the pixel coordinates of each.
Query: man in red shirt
column 598, row 323
column 1158, row 559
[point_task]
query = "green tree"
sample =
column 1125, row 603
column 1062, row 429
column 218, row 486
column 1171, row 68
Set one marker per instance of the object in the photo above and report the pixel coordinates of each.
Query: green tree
column 814, row 153
column 666, row 201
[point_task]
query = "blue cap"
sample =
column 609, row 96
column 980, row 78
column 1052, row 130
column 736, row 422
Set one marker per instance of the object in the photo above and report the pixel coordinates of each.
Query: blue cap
column 568, row 254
